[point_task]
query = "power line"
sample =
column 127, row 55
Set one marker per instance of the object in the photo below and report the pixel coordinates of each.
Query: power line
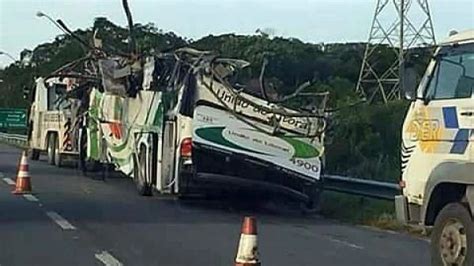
column 381, row 80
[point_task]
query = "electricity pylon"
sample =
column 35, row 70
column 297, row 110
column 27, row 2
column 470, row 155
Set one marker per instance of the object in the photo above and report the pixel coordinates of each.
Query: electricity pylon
column 411, row 26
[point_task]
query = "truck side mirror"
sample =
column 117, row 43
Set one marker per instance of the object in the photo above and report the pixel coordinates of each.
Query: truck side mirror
column 408, row 85
column 26, row 92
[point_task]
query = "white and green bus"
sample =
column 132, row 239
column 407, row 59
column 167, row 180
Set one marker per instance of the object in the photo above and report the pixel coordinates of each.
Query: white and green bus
column 180, row 124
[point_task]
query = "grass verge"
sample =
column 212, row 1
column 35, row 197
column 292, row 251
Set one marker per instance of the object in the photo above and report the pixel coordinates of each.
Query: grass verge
column 365, row 211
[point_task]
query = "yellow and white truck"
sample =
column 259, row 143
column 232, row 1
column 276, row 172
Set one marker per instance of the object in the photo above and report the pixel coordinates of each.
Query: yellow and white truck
column 437, row 158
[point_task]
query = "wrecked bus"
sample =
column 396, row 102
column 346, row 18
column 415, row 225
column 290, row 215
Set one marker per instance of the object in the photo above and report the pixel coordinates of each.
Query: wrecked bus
column 180, row 123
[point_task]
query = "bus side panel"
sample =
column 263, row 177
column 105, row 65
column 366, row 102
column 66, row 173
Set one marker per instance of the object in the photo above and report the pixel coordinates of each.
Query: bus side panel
column 221, row 129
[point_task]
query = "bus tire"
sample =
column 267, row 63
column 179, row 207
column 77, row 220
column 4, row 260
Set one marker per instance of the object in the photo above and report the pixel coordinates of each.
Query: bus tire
column 144, row 188
column 85, row 164
column 313, row 205
column 34, row 154
column 452, row 239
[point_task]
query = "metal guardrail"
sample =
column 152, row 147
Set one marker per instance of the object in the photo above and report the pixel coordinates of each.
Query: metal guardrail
column 343, row 184
column 362, row 187
column 16, row 139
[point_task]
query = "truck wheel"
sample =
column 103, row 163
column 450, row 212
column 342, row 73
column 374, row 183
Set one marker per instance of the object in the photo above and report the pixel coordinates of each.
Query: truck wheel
column 51, row 143
column 34, row 154
column 140, row 171
column 452, row 240
column 57, row 154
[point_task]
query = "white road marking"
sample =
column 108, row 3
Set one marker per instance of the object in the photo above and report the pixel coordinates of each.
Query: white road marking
column 59, row 220
column 30, row 197
column 9, row 181
column 345, row 243
column 107, row 259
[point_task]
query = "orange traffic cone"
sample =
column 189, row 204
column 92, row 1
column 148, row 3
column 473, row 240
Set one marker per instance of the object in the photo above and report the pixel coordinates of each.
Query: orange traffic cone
column 247, row 253
column 23, row 182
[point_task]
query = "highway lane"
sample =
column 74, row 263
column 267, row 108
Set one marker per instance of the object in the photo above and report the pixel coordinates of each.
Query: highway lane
column 115, row 225
column 28, row 237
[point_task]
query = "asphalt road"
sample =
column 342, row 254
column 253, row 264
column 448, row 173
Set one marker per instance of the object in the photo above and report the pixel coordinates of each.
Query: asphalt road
column 77, row 220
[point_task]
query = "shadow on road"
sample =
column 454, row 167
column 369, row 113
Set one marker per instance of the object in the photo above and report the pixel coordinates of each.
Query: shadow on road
column 114, row 199
column 112, row 208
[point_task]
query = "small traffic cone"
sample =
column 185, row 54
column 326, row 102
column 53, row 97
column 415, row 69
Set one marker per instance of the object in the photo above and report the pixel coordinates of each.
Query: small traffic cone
column 247, row 253
column 23, row 181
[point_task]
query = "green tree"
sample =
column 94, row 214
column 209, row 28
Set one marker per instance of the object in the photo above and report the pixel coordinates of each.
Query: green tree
column 362, row 141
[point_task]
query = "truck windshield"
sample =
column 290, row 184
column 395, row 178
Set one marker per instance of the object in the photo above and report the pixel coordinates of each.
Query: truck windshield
column 453, row 76
column 55, row 99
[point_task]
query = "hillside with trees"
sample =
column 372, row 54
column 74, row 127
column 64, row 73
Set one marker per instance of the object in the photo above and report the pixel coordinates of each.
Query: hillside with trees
column 362, row 140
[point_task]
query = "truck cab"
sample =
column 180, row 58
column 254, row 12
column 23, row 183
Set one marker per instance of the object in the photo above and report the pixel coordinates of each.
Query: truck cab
column 437, row 152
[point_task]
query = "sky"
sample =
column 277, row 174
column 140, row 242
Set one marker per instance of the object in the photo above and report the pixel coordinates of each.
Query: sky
column 309, row 20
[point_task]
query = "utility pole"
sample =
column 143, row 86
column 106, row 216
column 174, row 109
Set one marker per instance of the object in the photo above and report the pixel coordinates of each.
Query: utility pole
column 411, row 27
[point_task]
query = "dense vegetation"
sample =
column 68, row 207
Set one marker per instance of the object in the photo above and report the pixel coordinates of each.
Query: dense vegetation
column 363, row 141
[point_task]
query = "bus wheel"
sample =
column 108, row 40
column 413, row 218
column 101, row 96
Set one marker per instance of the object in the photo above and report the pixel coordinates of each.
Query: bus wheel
column 34, row 154
column 140, row 172
column 452, row 239
column 312, row 206
column 84, row 163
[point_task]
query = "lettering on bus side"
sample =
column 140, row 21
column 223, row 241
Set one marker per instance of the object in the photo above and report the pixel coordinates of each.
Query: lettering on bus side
column 293, row 121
